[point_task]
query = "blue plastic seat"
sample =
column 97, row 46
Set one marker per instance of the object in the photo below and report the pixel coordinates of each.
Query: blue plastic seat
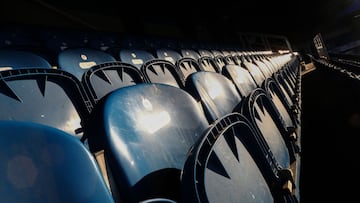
column 245, row 84
column 227, row 165
column 266, row 119
column 266, row 71
column 104, row 78
column 205, row 52
column 219, row 97
column 216, row 93
column 241, row 77
column 146, row 131
column 136, row 57
column 288, row 113
column 288, row 92
column 44, row 164
column 220, row 61
column 255, row 72
column 162, row 71
column 168, row 54
column 15, row 59
column 49, row 96
column 190, row 53
column 208, row 63
column 187, row 66
column 78, row 60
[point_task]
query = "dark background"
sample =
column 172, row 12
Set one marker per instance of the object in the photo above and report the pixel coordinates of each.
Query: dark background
column 221, row 21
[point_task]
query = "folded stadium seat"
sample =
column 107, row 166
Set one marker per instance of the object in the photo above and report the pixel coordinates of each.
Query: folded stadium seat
column 276, row 90
column 15, row 59
column 292, row 74
column 136, row 57
column 290, row 78
column 279, row 96
column 78, row 60
column 45, row 164
column 204, row 52
column 259, row 108
column 267, row 71
column 241, row 77
column 104, row 78
column 286, row 79
column 208, row 63
column 291, row 119
column 163, row 71
column 219, row 59
column 237, row 56
column 254, row 70
column 261, row 56
column 292, row 94
column 227, row 165
column 48, row 96
column 155, row 70
column 216, row 52
column 190, row 53
column 290, row 99
column 216, row 93
column 186, row 65
column 229, row 59
column 245, row 84
column 168, row 54
column 145, row 132
column 219, row 97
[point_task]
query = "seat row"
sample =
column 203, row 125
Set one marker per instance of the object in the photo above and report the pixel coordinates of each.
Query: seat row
column 161, row 136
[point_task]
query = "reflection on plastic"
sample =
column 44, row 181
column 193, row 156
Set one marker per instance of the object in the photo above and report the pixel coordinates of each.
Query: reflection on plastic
column 214, row 88
column 154, row 121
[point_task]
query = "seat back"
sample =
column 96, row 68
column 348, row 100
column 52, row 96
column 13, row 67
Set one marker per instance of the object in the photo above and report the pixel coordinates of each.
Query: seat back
column 220, row 61
column 205, row 52
column 146, row 131
column 189, row 53
column 136, row 57
column 15, row 59
column 188, row 66
column 48, row 96
column 78, row 60
column 241, row 78
column 107, row 77
column 221, row 167
column 217, row 94
column 267, row 121
column 162, row 71
column 260, row 110
column 44, row 164
column 208, row 63
column 288, row 115
column 168, row 54
column 255, row 72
